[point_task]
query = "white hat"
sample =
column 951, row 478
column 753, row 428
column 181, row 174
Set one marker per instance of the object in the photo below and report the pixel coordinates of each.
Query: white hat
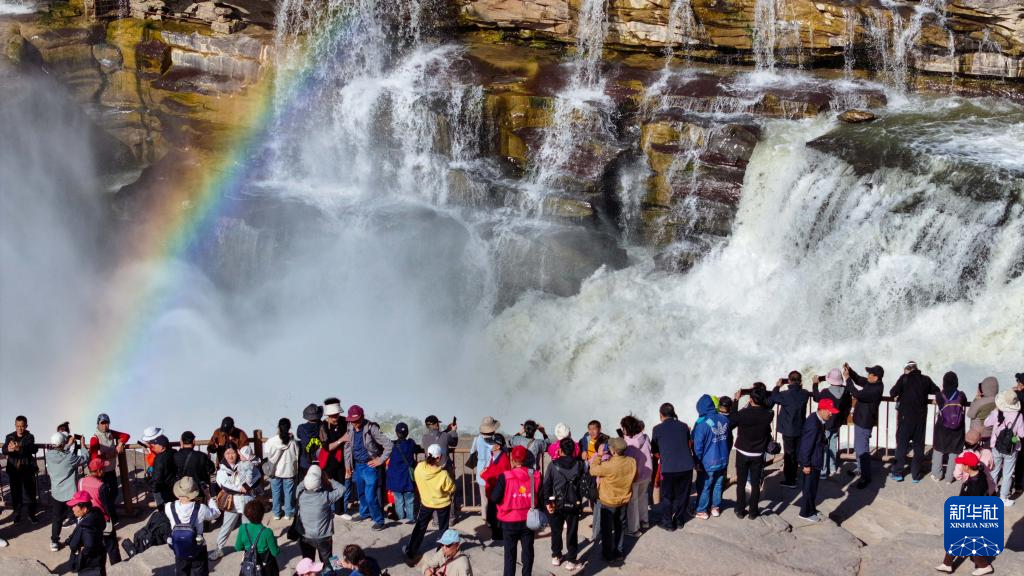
column 152, row 433
column 1007, row 401
column 434, row 450
column 246, row 452
column 332, row 409
column 562, row 431
column 58, row 440
column 313, row 479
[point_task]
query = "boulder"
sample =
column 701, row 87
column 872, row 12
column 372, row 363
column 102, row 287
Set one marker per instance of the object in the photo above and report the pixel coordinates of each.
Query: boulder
column 856, row 116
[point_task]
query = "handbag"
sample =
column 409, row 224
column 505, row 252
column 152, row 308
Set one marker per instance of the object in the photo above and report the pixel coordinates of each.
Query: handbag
column 535, row 518
column 225, row 500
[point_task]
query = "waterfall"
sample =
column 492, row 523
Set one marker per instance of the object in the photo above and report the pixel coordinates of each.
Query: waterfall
column 680, row 17
column 16, row 7
column 849, row 43
column 765, row 34
column 894, row 38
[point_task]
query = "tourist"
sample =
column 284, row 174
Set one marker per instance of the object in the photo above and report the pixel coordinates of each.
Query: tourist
column 638, row 447
column 753, row 426
column 93, row 485
column 436, row 488
column 191, row 463
column 400, row 470
column 448, row 559
column 316, row 503
column 670, row 440
column 282, row 451
column 975, row 485
column 949, row 428
column 593, row 442
column 835, row 391
column 308, row 436
column 446, row 439
column 20, row 448
column 725, row 405
column 331, row 457
column 107, row 444
column 790, row 423
column 1007, row 431
column 233, row 480
column 973, row 445
column 164, row 471
column 562, row 490
column 62, row 464
column 615, row 489
column 984, row 403
column 562, row 431
column 228, row 433
column 365, row 453
column 254, row 533
column 517, row 490
column 1018, row 473
column 480, row 454
column 911, row 393
column 711, row 447
column 88, row 554
column 189, row 510
column 307, row 567
column 498, row 466
column 812, row 455
column 867, row 391
column 527, row 439
column 355, row 559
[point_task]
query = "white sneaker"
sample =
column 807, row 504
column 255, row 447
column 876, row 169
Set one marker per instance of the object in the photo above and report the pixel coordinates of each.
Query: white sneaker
column 3, row 543
column 570, row 566
column 54, row 547
column 944, row 568
column 347, row 517
column 982, row 571
column 556, row 561
column 1007, row 503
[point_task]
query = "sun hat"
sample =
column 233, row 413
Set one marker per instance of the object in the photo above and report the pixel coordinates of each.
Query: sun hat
column 312, row 413
column 151, row 433
column 80, row 497
column 186, row 488
column 332, row 409
column 308, row 566
column 450, row 536
column 1007, row 401
column 489, row 425
column 434, row 450
column 835, row 377
column 562, row 431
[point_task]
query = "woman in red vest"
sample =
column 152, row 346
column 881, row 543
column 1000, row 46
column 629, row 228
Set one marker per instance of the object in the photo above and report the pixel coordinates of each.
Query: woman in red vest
column 513, row 491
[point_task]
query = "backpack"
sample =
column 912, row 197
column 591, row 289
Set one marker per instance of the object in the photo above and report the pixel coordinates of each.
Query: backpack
column 571, row 498
column 252, row 564
column 1007, row 439
column 951, row 413
column 184, row 539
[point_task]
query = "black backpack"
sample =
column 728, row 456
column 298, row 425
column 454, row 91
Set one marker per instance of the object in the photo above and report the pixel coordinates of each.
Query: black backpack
column 572, row 496
column 252, row 564
column 1006, row 440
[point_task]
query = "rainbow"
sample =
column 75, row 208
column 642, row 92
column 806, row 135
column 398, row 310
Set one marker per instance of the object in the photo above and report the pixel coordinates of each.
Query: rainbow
column 173, row 224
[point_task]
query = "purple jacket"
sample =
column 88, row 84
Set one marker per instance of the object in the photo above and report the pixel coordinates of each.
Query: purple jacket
column 639, row 447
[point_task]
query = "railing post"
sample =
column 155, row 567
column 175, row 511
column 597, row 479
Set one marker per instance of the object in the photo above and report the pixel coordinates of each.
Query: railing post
column 126, row 490
column 257, row 443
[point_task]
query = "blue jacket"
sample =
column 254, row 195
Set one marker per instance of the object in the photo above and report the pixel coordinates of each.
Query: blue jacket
column 671, row 441
column 711, row 436
column 400, row 466
column 793, row 401
column 812, row 444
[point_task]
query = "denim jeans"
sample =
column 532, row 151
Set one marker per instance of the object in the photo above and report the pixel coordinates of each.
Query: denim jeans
column 1005, row 463
column 862, row 446
column 282, row 491
column 709, row 487
column 831, row 462
column 939, row 460
column 366, row 486
column 405, row 504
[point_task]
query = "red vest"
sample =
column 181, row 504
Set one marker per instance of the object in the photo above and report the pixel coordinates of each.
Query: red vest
column 516, row 503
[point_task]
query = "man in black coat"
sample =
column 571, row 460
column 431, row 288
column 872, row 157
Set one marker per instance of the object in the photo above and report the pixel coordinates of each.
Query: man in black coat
column 912, row 393
column 793, row 401
column 867, row 391
column 164, row 471
column 670, row 440
column 192, row 463
column 812, row 456
column 20, row 448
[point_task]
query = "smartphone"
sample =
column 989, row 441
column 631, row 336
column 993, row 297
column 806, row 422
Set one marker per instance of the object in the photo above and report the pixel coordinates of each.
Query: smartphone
column 821, row 379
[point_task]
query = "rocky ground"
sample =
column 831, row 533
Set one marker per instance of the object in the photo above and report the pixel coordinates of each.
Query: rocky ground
column 889, row 528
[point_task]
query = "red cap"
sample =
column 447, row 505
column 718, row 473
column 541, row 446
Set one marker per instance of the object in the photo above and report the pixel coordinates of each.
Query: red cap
column 80, row 497
column 355, row 413
column 827, row 404
column 95, row 465
column 969, row 459
column 519, row 453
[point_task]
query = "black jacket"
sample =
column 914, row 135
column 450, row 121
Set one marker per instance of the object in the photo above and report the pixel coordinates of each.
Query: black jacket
column 812, row 444
column 753, row 428
column 913, row 392
column 164, row 474
column 946, row 440
column 976, row 485
column 194, row 464
column 670, row 440
column 561, row 472
column 843, row 403
column 868, row 397
column 793, row 401
column 24, row 458
column 86, row 542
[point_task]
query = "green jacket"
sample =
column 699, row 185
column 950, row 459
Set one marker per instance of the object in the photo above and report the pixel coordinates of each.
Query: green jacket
column 248, row 532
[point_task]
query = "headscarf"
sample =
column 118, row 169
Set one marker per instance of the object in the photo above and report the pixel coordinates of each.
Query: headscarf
column 950, row 384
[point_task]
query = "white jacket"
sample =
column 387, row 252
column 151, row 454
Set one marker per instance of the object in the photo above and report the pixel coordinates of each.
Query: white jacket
column 284, row 456
column 234, row 479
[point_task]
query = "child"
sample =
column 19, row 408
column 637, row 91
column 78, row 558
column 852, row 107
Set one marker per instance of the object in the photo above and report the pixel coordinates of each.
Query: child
column 974, row 485
column 711, row 446
column 400, row 467
column 973, row 445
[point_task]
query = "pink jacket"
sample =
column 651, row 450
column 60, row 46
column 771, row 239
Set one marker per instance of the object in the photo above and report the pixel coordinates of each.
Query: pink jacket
column 985, row 455
column 639, row 447
column 1010, row 418
column 553, row 450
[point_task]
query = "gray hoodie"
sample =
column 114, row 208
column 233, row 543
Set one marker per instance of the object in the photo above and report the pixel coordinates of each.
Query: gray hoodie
column 62, row 467
column 316, row 510
column 981, row 407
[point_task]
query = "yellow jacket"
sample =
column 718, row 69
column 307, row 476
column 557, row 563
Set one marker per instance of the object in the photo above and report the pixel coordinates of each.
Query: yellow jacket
column 617, row 475
column 435, row 485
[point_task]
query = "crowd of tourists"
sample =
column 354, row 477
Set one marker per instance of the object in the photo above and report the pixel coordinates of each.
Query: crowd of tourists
column 308, row 478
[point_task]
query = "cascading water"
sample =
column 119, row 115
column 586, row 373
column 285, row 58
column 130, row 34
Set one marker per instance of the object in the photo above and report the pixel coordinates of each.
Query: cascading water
column 765, row 34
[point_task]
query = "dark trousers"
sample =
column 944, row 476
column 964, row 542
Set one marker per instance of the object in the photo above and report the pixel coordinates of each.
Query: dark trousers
column 517, row 533
column 810, row 489
column 492, row 520
column 790, row 444
column 749, row 468
column 422, row 522
column 310, row 547
column 675, row 497
column 23, row 487
column 571, row 521
column 908, row 433
column 1018, row 473
column 613, row 526
column 199, row 566
column 108, row 496
column 59, row 512
column 979, row 561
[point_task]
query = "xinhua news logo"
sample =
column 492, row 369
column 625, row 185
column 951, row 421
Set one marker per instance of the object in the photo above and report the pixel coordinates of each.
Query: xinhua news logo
column 974, row 526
